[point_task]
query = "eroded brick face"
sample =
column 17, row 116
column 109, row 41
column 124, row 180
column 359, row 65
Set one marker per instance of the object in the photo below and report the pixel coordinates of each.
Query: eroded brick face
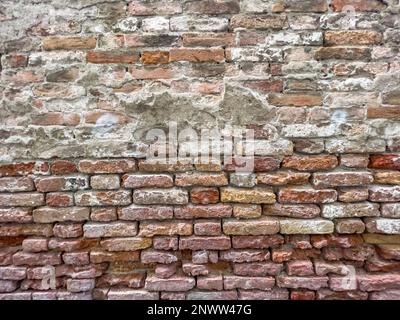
column 319, row 87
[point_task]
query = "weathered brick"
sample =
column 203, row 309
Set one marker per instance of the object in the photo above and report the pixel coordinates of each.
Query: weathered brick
column 240, row 256
column 16, row 184
column 256, row 195
column 300, row 268
column 351, row 210
column 310, row 163
column 297, row 226
column 385, row 161
column 197, row 55
column 352, row 37
column 207, row 228
column 352, row 195
column 343, row 53
column 205, row 243
column 212, row 7
column 107, row 166
column 378, row 282
column 36, row 259
column 103, row 198
column 126, row 244
column 349, row 226
column 203, row 211
column 60, row 199
column 311, row 283
column 50, row 184
column 384, row 194
column 257, row 269
column 60, row 167
column 34, row 245
column 69, row 43
column 175, row 283
column 167, row 228
column 293, row 211
column 383, row 225
column 236, row 282
column 307, row 196
column 103, row 214
column 21, row 199
column 283, row 178
column 107, row 230
column 390, row 210
column 207, row 39
column 140, row 8
column 20, row 215
column 130, row 294
column 27, row 229
column 263, row 226
column 390, row 177
column 105, row 182
column 246, row 211
column 341, row 179
column 160, row 196
column 256, row 242
column 112, row 57
column 261, row 22
column 49, row 214
column 367, row 5
column 204, row 195
column 135, row 212
column 147, row 181
column 297, row 100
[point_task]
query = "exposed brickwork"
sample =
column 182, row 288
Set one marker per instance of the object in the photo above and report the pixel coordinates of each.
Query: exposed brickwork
column 79, row 89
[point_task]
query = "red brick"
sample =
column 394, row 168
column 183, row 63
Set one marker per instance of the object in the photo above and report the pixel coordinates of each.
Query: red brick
column 300, row 268
column 204, row 195
column 24, row 168
column 112, row 57
column 60, row 199
column 302, row 295
column 60, row 167
column 16, row 230
column 385, row 161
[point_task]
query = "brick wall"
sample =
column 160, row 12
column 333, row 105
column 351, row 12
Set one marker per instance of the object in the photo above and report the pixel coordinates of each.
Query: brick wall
column 82, row 81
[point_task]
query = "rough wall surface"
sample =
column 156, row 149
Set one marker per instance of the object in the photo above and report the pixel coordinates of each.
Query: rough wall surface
column 83, row 80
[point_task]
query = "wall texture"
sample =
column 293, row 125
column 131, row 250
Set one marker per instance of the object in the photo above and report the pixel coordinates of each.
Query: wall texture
column 83, row 80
